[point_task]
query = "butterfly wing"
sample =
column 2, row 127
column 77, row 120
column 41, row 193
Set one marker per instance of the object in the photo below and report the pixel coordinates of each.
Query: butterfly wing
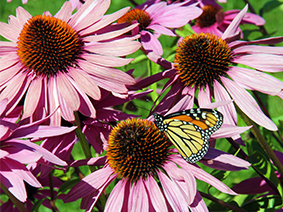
column 190, row 130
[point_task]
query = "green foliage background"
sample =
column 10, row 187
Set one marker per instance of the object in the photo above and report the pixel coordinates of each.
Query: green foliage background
column 271, row 11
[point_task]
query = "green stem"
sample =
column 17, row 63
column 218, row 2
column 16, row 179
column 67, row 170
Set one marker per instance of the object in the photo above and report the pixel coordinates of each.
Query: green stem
column 82, row 139
column 52, row 201
column 220, row 202
column 261, row 141
column 20, row 206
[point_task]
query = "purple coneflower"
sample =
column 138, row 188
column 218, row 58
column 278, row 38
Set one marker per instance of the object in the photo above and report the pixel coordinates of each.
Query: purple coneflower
column 64, row 60
column 16, row 153
column 225, row 68
column 159, row 18
column 138, row 154
column 215, row 21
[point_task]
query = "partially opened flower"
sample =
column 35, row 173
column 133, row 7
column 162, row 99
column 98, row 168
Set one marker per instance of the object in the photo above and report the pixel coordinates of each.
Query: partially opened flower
column 225, row 67
column 159, row 18
column 64, row 60
column 16, row 153
column 215, row 21
column 139, row 155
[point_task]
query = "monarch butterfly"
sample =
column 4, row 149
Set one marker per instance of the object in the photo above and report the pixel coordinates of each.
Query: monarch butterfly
column 190, row 130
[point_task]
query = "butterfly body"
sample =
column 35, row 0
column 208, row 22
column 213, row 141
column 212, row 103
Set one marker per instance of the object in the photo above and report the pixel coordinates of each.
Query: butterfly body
column 190, row 130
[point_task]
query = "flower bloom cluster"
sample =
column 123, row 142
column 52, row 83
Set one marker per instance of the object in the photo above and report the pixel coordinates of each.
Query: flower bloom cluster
column 75, row 77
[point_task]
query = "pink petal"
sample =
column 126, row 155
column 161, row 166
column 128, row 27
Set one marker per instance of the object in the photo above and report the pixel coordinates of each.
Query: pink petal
column 115, row 48
column 172, row 193
column 107, row 61
column 38, row 150
column 155, row 195
column 53, row 98
column 116, row 198
column 105, row 20
column 107, row 73
column 263, row 62
column 251, row 49
column 21, row 171
column 150, row 43
column 3, row 105
column 204, row 96
column 3, row 153
column 85, row 83
column 22, row 16
column 184, row 180
column 204, row 176
column 229, row 111
column 227, row 131
column 138, row 199
column 98, row 161
column 86, row 107
column 89, row 184
column 65, row 12
column 8, row 32
column 173, row 17
column 217, row 159
column 161, row 29
column 256, row 80
column 233, row 27
column 112, row 33
column 67, row 91
column 13, row 183
column 248, row 105
column 42, row 131
column 249, row 18
column 66, row 112
column 32, row 97
column 92, row 8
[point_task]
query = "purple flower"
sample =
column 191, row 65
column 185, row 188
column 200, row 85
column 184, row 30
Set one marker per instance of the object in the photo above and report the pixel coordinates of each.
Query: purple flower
column 15, row 153
column 224, row 67
column 215, row 21
column 138, row 154
column 64, row 60
column 159, row 18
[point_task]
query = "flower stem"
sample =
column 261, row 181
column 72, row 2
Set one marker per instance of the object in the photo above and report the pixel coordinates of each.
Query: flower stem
column 20, row 206
column 52, row 201
column 261, row 141
column 222, row 203
column 82, row 139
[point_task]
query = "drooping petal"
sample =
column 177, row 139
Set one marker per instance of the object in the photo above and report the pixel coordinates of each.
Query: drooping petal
column 172, row 193
column 138, row 199
column 247, row 104
column 32, row 97
column 150, row 43
column 155, row 195
column 67, row 91
column 198, row 205
column 263, row 62
column 116, row 198
column 204, row 176
column 256, row 80
column 217, row 159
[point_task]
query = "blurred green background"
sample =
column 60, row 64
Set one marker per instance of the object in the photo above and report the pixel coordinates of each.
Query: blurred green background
column 271, row 11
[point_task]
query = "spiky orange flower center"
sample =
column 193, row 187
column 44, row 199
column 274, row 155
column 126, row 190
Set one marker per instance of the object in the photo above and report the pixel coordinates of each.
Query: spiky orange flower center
column 138, row 15
column 47, row 45
column 209, row 16
column 202, row 58
column 136, row 149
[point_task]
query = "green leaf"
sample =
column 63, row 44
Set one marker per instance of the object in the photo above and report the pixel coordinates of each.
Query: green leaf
column 266, row 203
column 36, row 205
column 264, row 167
column 270, row 6
column 184, row 31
